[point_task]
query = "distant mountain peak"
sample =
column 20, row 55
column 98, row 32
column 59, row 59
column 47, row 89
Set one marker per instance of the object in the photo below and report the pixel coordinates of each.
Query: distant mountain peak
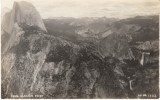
column 23, row 12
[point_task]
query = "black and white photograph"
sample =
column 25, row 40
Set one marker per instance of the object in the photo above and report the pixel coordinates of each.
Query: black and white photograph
column 80, row 49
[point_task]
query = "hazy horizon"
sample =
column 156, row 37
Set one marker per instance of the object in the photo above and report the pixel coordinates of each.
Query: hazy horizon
column 88, row 8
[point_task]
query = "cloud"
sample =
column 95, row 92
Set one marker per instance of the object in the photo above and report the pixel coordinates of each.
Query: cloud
column 93, row 8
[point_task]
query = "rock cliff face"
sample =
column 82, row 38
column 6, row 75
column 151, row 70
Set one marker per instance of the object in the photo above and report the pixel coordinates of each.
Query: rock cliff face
column 22, row 12
column 36, row 62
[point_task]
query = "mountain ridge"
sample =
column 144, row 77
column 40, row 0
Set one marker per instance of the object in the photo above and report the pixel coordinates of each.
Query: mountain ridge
column 59, row 63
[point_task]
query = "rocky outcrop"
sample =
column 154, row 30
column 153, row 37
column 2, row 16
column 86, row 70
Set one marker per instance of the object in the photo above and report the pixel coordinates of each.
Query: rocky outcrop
column 22, row 12
column 116, row 46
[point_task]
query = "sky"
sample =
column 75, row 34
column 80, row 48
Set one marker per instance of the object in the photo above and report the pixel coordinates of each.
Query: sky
column 92, row 8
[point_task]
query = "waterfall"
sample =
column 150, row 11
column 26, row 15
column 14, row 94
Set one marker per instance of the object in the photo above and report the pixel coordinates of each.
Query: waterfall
column 142, row 59
column 130, row 84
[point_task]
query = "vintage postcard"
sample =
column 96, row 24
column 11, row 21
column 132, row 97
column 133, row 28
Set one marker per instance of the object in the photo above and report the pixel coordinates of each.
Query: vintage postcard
column 80, row 49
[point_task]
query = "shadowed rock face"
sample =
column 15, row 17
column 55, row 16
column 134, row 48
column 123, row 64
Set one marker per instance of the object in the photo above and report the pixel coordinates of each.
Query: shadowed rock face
column 116, row 46
column 22, row 13
column 36, row 62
